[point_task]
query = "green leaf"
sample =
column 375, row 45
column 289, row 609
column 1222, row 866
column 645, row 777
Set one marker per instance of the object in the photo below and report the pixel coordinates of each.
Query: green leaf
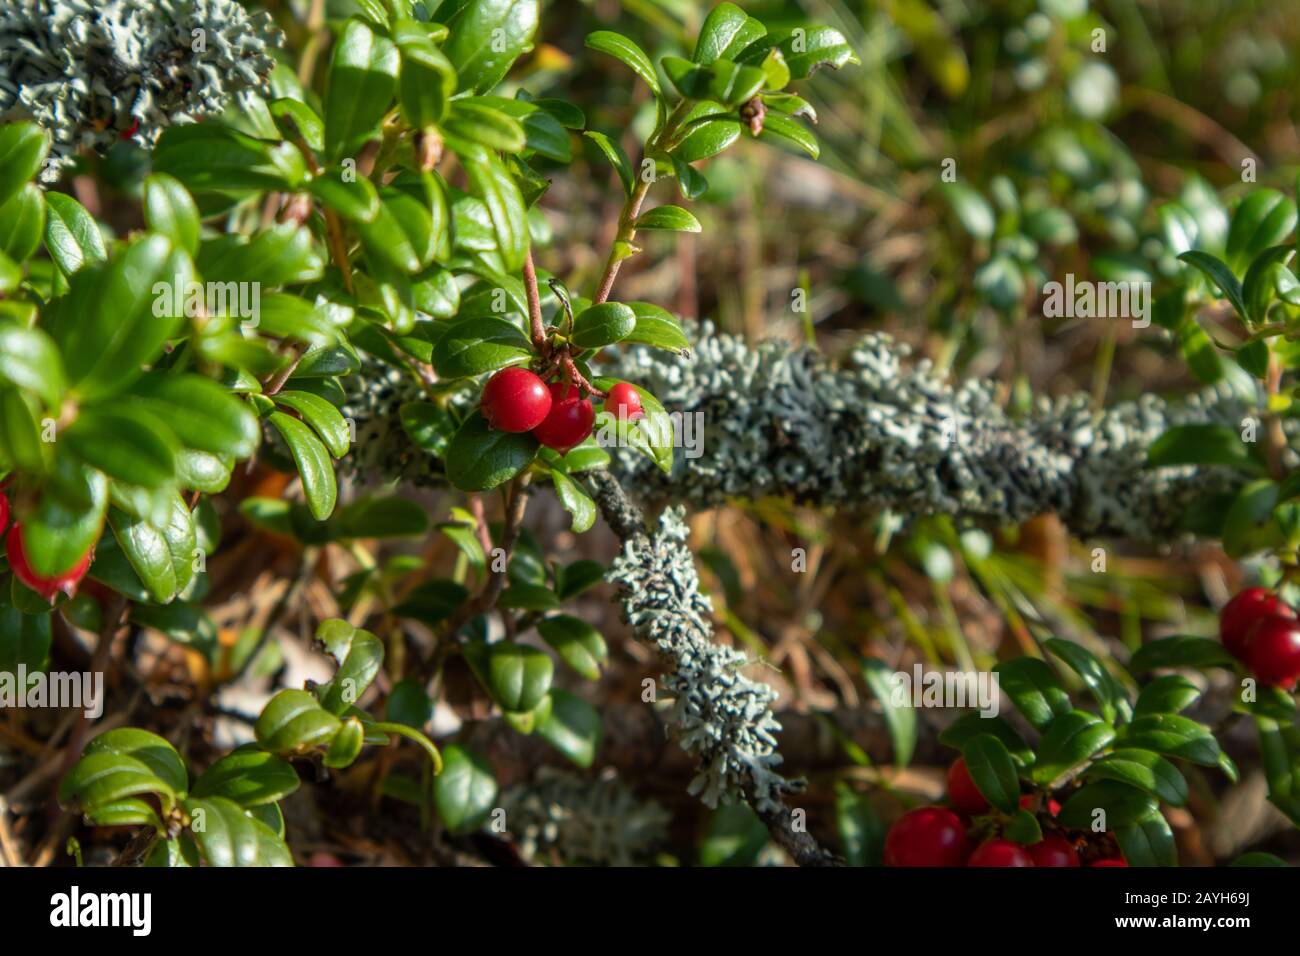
column 1023, row 828
column 284, row 254
column 492, row 182
column 1104, row 688
column 25, row 639
column 355, row 198
column 785, row 130
column 30, row 360
column 248, row 776
column 806, row 49
column 1249, row 525
column 362, row 81
column 656, row 326
column 103, row 779
column 1069, row 740
column 127, row 444
column 1201, row 444
column 726, row 33
column 22, row 223
column 1124, row 805
column 1034, row 689
column 1198, row 351
column 579, row 644
column 294, row 722
column 474, row 346
column 409, row 703
column 672, row 218
column 862, row 834
column 466, row 790
column 1166, row 695
column 1145, row 770
column 900, row 716
column 386, row 517
column 572, row 579
column 517, row 677
column 161, row 556
column 1259, row 285
column 72, row 236
column 1173, row 736
column 573, row 727
column 170, row 210
column 313, row 462
column 326, row 420
column 21, row 432
column 23, row 147
column 116, row 317
column 152, row 750
column 297, row 119
column 1219, row 273
column 201, row 413
column 575, row 501
column 487, row 36
column 356, row 672
column 228, row 836
column 480, row 458
column 1265, row 218
column 968, row 725
column 690, row 182
column 529, row 597
column 993, row 771
column 971, row 209
column 617, row 158
column 628, row 53
column 736, row 836
column 210, row 156
column 346, row 745
column 481, row 123
column 1179, row 651
column 1148, row 842
column 59, row 533
column 603, row 325
column 427, row 79
column 706, row 139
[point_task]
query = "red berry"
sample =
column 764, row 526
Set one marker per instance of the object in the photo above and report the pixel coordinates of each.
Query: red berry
column 134, row 128
column 963, row 795
column 927, row 836
column 624, row 402
column 1000, row 852
column 1053, row 850
column 1053, row 806
column 1110, row 861
column 1274, row 651
column 46, row 587
column 569, row 421
column 515, row 400
column 4, row 511
column 1239, row 616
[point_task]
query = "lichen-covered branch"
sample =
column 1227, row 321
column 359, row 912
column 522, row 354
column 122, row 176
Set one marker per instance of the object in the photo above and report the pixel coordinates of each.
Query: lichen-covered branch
column 875, row 432
column 719, row 716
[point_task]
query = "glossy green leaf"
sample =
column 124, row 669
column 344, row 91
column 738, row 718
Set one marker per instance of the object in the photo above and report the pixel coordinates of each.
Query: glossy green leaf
column 617, row 158
column 313, row 462
column 477, row 345
column 23, row 147
column 1123, row 805
column 656, row 326
column 22, row 223
column 579, row 644
column 127, row 443
column 516, row 676
column 30, row 360
column 575, row 501
column 1201, row 444
column 466, row 790
column 210, row 156
column 1145, row 770
column 1034, row 688
column 201, row 413
column 357, row 671
column 726, row 33
column 326, row 420
column 707, row 139
column 1173, row 736
column 283, row 254
column 1266, row 217
column 1179, row 651
column 900, row 716
column 1069, row 741
column 161, row 556
column 573, row 727
column 427, row 78
column 169, row 209
column 993, row 771
column 487, row 36
column 788, row 131
column 72, row 237
column 1148, row 841
column 293, row 722
column 248, row 776
column 228, row 836
column 1219, row 273
column 628, row 53
column 672, row 218
column 155, row 752
column 480, row 458
column 603, row 325
column 1103, row 687
column 1166, row 695
column 362, row 81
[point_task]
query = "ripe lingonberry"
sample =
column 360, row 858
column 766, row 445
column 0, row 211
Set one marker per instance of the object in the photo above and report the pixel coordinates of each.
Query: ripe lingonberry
column 46, row 587
column 963, row 795
column 570, row 419
column 1053, row 850
column 927, row 836
column 1239, row 616
column 1274, row 651
column 1000, row 852
column 515, row 400
column 1027, row 803
column 4, row 511
column 1110, row 861
column 624, row 402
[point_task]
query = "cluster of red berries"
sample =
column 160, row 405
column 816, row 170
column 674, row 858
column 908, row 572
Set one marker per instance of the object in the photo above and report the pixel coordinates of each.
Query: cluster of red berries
column 937, row 836
column 1261, row 630
column 47, row 587
column 517, row 400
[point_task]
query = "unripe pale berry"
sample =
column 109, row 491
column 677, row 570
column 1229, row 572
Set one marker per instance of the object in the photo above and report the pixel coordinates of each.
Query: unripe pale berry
column 1000, row 852
column 46, row 587
column 624, row 402
column 1239, row 616
column 515, row 400
column 927, row 836
column 1273, row 652
column 963, row 795
column 570, row 419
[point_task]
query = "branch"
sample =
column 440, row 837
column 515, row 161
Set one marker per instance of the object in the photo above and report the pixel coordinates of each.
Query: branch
column 719, row 716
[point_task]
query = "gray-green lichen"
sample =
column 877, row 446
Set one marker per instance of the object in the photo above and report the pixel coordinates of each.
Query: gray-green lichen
column 585, row 821
column 719, row 715
column 91, row 72
column 874, row 432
